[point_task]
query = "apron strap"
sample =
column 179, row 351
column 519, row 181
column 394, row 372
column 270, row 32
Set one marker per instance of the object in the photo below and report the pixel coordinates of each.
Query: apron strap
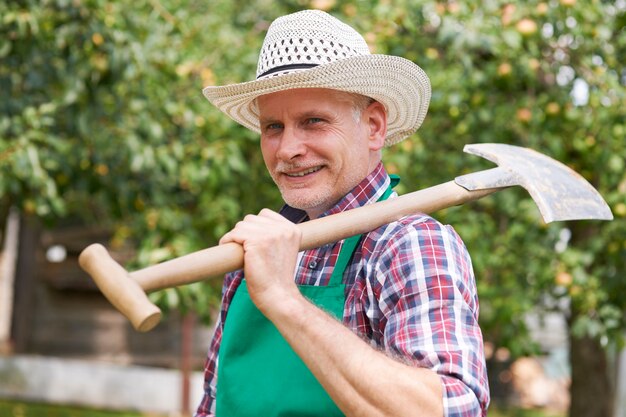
column 349, row 245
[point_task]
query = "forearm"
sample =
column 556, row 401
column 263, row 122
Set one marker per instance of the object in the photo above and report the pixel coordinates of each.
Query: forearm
column 360, row 379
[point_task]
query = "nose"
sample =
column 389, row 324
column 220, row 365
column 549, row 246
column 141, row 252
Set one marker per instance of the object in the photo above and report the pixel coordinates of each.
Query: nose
column 291, row 145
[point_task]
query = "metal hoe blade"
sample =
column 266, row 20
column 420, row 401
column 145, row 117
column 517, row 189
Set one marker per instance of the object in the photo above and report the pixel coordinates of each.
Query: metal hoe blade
column 559, row 192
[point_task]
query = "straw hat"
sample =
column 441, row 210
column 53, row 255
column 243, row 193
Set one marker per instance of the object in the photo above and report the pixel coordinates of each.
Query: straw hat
column 312, row 49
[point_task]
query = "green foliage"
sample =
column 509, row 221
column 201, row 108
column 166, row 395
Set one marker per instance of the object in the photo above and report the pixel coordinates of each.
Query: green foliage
column 506, row 72
column 106, row 122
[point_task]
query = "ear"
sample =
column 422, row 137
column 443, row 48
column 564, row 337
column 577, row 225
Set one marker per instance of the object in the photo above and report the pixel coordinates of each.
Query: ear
column 377, row 122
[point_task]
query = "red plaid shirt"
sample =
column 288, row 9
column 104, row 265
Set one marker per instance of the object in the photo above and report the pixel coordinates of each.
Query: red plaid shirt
column 410, row 291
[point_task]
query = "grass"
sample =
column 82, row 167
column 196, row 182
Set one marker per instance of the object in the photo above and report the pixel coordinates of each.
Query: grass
column 518, row 412
column 23, row 409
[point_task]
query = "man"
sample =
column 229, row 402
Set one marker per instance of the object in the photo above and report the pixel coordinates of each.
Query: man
column 379, row 324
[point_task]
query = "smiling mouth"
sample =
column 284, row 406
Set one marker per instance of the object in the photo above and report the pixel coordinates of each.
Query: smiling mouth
column 303, row 173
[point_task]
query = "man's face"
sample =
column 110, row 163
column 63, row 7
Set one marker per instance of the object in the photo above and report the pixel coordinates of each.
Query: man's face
column 315, row 147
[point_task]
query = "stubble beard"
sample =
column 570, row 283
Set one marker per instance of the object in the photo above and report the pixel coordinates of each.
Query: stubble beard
column 323, row 196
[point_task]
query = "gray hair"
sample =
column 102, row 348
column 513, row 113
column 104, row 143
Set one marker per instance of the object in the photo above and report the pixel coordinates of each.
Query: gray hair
column 360, row 103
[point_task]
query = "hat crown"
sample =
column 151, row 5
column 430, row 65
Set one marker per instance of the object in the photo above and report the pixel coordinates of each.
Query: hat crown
column 307, row 39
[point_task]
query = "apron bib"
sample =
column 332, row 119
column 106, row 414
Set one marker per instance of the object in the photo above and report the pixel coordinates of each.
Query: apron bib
column 258, row 372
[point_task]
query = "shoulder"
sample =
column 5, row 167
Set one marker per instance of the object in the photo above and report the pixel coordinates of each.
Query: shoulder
column 418, row 230
column 417, row 250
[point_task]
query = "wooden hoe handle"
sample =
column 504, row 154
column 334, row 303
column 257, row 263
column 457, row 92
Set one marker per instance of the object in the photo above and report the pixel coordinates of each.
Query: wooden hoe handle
column 560, row 193
column 116, row 285
column 127, row 291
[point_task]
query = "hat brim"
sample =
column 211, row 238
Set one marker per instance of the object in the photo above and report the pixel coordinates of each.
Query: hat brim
column 399, row 84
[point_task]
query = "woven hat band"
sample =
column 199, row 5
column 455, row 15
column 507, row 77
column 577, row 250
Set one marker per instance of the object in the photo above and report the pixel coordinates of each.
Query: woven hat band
column 285, row 69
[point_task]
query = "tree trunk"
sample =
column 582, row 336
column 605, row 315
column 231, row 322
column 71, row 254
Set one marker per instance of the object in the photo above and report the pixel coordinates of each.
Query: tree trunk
column 591, row 390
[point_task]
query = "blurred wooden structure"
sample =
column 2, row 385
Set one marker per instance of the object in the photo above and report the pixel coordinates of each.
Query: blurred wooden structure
column 53, row 316
column 58, row 311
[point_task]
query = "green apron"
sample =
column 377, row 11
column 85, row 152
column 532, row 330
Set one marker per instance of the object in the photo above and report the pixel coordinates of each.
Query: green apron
column 258, row 372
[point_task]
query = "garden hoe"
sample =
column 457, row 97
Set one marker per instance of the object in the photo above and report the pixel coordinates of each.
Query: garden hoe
column 559, row 192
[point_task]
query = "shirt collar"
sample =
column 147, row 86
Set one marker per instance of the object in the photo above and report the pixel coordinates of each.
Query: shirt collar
column 369, row 189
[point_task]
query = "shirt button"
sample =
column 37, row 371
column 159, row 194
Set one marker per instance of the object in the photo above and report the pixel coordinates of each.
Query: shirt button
column 312, row 264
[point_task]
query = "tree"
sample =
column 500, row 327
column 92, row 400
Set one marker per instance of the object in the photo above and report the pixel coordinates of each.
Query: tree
column 106, row 124
column 549, row 76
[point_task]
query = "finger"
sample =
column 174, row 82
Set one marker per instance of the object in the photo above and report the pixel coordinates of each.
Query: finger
column 251, row 225
column 265, row 226
column 234, row 235
column 271, row 214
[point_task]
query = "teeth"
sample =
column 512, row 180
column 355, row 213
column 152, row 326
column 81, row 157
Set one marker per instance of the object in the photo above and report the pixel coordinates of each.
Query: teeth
column 303, row 173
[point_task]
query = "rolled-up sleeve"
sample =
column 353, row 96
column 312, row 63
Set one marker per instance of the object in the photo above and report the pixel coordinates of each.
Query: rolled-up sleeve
column 428, row 301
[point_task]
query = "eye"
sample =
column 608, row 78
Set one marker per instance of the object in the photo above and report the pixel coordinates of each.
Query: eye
column 272, row 126
column 314, row 120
